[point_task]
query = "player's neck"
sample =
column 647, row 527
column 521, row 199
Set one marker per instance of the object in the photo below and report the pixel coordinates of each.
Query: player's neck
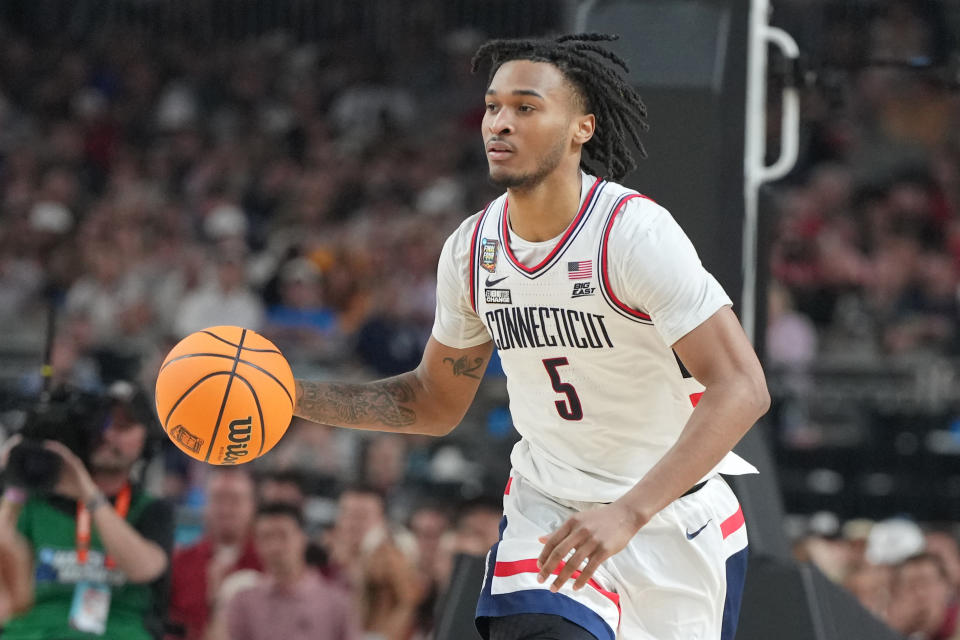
column 545, row 210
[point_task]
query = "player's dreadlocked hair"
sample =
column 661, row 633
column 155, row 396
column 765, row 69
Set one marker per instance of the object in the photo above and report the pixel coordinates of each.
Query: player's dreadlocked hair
column 618, row 108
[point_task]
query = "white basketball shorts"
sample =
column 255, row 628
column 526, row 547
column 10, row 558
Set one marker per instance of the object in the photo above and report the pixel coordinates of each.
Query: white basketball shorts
column 680, row 578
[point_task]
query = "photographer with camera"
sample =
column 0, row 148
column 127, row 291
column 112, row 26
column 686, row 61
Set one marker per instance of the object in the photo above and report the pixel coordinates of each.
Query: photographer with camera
column 83, row 550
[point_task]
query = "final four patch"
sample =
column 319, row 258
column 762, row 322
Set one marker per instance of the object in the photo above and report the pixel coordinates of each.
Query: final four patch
column 488, row 254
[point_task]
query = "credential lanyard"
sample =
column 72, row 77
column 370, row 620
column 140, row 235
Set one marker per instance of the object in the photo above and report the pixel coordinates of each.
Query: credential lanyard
column 83, row 525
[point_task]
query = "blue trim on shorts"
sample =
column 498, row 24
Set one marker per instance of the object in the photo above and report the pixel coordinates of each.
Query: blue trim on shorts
column 736, row 574
column 540, row 601
column 543, row 601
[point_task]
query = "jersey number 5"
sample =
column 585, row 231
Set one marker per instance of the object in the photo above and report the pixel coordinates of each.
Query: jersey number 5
column 571, row 409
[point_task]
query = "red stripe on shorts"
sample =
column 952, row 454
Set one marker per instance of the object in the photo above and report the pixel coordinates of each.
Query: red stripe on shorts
column 506, row 491
column 505, row 569
column 695, row 398
column 733, row 523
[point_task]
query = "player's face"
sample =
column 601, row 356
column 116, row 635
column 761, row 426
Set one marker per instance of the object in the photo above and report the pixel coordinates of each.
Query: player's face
column 530, row 123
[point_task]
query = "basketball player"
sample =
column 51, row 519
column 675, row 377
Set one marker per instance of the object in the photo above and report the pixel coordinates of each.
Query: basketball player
column 630, row 378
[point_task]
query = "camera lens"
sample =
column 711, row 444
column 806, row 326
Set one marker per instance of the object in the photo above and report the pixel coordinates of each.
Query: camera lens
column 33, row 467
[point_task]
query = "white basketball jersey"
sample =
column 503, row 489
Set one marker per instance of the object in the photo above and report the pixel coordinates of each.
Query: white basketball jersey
column 595, row 390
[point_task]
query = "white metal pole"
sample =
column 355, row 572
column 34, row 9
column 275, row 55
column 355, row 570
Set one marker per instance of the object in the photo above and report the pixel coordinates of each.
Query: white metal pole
column 755, row 171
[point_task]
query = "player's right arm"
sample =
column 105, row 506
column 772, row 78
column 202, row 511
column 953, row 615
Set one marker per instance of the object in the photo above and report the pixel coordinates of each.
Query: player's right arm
column 433, row 398
column 430, row 400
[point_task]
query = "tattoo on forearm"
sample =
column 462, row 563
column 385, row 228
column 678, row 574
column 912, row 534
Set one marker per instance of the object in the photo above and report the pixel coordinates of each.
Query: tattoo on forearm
column 357, row 404
column 461, row 366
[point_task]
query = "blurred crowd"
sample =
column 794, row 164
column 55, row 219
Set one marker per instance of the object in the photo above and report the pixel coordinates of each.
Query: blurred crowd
column 366, row 571
column 865, row 242
column 153, row 187
column 905, row 575
column 864, row 245
column 150, row 187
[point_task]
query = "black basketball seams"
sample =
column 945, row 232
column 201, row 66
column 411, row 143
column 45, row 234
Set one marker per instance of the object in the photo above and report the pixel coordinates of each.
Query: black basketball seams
column 242, row 361
column 234, row 344
column 272, row 377
column 212, row 375
column 226, row 394
column 194, row 355
column 186, row 393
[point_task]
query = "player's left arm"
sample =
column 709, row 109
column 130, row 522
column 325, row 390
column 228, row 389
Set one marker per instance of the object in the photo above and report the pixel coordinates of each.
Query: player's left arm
column 719, row 355
column 656, row 268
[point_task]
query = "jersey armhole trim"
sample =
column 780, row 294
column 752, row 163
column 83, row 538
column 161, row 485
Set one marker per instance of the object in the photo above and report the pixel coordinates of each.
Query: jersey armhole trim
column 473, row 256
column 608, row 294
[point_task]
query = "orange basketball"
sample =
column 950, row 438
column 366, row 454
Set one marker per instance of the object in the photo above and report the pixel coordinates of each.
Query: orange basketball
column 225, row 395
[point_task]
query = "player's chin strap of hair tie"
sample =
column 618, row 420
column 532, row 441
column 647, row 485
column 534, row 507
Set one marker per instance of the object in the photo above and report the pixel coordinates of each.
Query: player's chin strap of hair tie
column 83, row 521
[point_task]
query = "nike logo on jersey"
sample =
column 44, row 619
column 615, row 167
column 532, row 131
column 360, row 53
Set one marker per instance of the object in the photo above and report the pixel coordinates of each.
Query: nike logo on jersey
column 492, row 283
column 691, row 536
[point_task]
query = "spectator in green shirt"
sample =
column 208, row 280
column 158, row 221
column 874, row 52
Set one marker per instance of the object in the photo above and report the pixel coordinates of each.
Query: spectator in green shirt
column 68, row 582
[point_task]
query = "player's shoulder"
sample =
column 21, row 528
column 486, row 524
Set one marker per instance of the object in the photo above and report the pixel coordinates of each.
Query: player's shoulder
column 635, row 212
column 463, row 234
column 465, row 230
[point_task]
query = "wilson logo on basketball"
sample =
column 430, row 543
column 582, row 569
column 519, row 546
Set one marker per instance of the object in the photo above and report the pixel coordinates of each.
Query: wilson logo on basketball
column 239, row 436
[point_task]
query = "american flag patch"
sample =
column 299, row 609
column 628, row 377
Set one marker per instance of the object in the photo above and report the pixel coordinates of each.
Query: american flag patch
column 580, row 270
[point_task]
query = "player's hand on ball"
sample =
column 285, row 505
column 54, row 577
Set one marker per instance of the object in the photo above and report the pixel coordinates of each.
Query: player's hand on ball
column 593, row 535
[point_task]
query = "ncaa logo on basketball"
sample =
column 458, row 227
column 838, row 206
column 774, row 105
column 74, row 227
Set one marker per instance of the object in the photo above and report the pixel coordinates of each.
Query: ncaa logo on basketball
column 239, row 435
column 187, row 439
column 488, row 254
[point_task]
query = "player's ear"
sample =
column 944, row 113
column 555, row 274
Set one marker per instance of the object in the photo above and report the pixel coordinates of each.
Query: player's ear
column 585, row 126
